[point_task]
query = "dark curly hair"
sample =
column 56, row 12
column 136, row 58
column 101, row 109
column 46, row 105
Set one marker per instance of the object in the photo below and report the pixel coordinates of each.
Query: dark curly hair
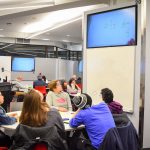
column 107, row 95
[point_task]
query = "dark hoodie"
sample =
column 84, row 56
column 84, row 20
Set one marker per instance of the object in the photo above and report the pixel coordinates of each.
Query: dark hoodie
column 115, row 107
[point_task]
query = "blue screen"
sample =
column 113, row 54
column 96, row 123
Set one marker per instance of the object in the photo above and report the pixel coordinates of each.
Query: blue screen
column 23, row 64
column 112, row 28
column 80, row 66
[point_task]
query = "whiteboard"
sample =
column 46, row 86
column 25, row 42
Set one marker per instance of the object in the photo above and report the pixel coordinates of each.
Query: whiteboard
column 112, row 68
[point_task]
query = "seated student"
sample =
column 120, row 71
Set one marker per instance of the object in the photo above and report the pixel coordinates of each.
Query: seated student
column 107, row 96
column 64, row 85
column 97, row 119
column 6, row 119
column 72, row 87
column 36, row 113
column 44, row 79
column 57, row 98
column 39, row 81
column 18, row 86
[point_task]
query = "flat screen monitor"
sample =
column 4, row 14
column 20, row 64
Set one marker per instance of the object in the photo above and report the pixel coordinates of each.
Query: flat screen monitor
column 80, row 66
column 117, row 27
column 22, row 64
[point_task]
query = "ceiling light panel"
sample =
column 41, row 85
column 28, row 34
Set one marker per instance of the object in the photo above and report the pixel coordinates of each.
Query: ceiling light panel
column 55, row 18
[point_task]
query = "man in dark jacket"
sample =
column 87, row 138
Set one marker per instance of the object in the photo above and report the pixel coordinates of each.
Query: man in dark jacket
column 39, row 81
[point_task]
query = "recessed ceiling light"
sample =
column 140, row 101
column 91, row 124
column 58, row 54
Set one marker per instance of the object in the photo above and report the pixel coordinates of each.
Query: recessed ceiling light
column 46, row 39
column 65, row 40
column 1, row 29
column 68, row 35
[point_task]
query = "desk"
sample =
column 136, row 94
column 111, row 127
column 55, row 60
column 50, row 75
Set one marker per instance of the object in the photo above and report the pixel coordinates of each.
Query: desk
column 10, row 129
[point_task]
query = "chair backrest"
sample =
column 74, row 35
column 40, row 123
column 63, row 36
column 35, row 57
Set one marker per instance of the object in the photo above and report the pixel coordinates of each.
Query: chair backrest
column 129, row 137
column 111, row 141
column 3, row 148
column 16, row 106
column 40, row 146
column 42, row 89
column 27, row 137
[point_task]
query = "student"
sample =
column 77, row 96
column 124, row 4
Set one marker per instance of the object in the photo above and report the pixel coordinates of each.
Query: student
column 44, row 79
column 39, row 81
column 4, row 118
column 17, row 85
column 107, row 96
column 97, row 119
column 37, row 114
column 64, row 85
column 72, row 87
column 57, row 98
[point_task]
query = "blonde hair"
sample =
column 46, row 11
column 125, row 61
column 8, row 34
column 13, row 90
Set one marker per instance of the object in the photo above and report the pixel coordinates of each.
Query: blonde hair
column 52, row 85
column 34, row 111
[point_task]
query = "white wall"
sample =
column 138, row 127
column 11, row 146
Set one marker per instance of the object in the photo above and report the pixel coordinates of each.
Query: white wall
column 135, row 116
column 146, row 135
column 5, row 62
column 67, row 68
column 114, row 69
column 52, row 68
column 46, row 66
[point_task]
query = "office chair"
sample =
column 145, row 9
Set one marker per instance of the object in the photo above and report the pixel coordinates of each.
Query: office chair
column 42, row 89
column 40, row 146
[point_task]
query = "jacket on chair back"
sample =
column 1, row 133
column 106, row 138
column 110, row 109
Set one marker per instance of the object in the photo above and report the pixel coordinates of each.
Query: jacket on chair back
column 26, row 137
column 111, row 141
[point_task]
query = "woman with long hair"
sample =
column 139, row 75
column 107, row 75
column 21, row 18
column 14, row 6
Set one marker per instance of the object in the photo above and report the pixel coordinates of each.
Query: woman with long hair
column 38, row 115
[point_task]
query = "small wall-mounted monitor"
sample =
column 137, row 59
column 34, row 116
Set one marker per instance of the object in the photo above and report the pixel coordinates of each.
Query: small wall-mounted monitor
column 117, row 27
column 22, row 64
column 80, row 66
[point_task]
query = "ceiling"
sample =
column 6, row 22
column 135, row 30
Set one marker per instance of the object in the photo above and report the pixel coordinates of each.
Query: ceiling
column 18, row 16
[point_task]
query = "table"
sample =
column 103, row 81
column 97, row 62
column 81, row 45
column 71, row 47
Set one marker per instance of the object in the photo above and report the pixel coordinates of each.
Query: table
column 10, row 129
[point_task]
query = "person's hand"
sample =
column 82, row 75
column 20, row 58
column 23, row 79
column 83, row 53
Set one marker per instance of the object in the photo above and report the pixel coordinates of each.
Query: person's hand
column 76, row 113
column 13, row 114
column 62, row 109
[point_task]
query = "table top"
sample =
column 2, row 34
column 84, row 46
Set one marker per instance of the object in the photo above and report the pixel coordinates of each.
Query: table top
column 66, row 116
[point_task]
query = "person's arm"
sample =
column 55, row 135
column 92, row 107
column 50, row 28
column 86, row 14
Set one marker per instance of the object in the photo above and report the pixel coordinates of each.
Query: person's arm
column 69, row 89
column 69, row 102
column 79, row 90
column 77, row 119
column 6, row 120
column 19, row 85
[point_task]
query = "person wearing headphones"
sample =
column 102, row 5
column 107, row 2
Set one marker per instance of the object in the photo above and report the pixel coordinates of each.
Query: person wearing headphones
column 97, row 118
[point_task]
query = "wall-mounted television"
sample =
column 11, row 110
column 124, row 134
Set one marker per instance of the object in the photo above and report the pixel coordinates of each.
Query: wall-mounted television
column 117, row 27
column 80, row 66
column 22, row 64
